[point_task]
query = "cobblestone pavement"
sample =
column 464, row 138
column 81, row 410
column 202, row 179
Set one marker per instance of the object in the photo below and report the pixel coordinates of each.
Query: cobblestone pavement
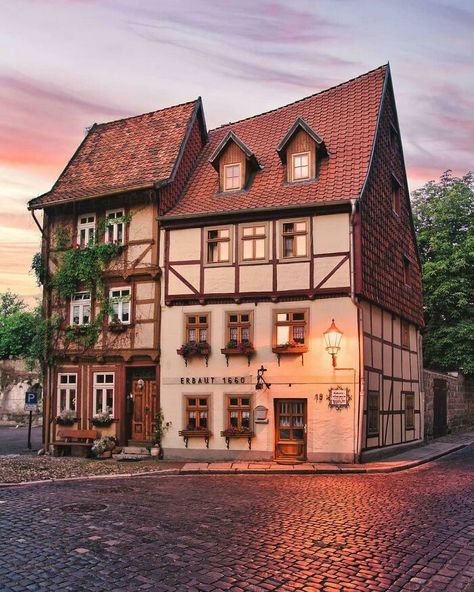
column 401, row 531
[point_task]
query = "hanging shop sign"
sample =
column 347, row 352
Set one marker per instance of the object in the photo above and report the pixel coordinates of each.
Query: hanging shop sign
column 339, row 397
column 208, row 380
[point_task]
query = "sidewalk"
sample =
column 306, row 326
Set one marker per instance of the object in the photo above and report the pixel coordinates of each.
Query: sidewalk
column 398, row 462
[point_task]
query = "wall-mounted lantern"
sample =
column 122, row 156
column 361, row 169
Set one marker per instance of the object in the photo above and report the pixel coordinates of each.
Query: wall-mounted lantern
column 332, row 337
column 261, row 382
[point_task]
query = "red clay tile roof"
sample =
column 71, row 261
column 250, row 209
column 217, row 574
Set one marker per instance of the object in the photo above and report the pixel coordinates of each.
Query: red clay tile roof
column 123, row 155
column 345, row 117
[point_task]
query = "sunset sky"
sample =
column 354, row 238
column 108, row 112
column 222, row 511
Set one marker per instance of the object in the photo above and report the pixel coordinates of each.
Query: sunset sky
column 65, row 64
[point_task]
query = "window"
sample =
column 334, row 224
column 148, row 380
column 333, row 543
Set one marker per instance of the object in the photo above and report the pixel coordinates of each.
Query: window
column 85, row 230
column 405, row 338
column 295, row 241
column 197, row 413
column 197, row 328
column 114, row 227
column 300, row 163
column 238, row 412
column 120, row 302
column 67, row 392
column 290, row 328
column 373, row 412
column 239, row 327
column 104, row 389
column 409, row 411
column 396, row 197
column 406, row 271
column 81, row 308
column 254, row 243
column 218, row 245
column 232, row 177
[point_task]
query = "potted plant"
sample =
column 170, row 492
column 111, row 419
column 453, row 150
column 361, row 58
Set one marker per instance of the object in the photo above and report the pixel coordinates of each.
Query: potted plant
column 161, row 427
column 193, row 348
column 102, row 447
column 290, row 347
column 102, row 419
column 116, row 325
column 67, row 417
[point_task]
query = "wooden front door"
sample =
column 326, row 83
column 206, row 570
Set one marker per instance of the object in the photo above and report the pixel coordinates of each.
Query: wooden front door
column 144, row 409
column 290, row 429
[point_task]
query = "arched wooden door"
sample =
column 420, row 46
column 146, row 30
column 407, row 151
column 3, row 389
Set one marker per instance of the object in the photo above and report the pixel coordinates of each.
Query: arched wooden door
column 144, row 409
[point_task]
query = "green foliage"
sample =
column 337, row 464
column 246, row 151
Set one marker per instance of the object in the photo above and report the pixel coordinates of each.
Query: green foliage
column 81, row 269
column 444, row 221
column 39, row 269
column 10, row 303
column 16, row 332
column 62, row 238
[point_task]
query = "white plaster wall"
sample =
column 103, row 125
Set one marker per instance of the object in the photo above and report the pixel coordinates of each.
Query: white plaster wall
column 293, row 276
column 185, row 244
column 331, row 433
column 256, row 278
column 219, row 279
column 331, row 233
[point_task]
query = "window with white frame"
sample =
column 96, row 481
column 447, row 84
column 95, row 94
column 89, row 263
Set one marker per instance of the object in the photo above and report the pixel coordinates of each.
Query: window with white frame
column 104, row 392
column 67, row 392
column 232, row 177
column 300, row 164
column 114, row 230
column 120, row 303
column 85, row 230
column 81, row 308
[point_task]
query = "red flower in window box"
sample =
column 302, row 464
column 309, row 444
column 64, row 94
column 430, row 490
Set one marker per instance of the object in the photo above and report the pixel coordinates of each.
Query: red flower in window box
column 233, row 347
column 290, row 347
column 190, row 349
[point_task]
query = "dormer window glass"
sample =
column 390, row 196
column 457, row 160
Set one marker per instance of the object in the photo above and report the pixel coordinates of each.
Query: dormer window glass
column 85, row 230
column 295, row 239
column 232, row 177
column 300, row 163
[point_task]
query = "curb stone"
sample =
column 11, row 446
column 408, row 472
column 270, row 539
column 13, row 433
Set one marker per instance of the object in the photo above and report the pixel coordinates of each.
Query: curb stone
column 202, row 472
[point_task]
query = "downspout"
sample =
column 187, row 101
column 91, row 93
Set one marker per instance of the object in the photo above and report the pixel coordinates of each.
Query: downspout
column 359, row 412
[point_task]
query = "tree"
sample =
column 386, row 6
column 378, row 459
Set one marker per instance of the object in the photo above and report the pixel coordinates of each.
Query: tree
column 444, row 221
column 10, row 303
column 17, row 327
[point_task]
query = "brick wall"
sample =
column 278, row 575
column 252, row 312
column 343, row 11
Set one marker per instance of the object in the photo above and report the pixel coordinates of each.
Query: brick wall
column 386, row 238
column 460, row 400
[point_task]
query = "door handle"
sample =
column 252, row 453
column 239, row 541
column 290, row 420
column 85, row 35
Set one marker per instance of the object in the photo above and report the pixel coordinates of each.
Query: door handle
column 305, row 428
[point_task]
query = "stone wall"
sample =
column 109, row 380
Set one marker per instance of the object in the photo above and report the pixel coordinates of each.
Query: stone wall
column 460, row 400
column 15, row 379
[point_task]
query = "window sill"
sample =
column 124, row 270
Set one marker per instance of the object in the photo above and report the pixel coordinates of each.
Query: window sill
column 186, row 434
column 289, row 350
column 227, row 351
column 231, row 434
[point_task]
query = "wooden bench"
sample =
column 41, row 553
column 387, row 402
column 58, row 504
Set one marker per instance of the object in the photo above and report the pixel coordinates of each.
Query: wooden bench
column 79, row 441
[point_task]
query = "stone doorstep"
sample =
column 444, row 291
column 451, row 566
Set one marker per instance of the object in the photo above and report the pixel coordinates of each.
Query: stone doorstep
column 136, row 450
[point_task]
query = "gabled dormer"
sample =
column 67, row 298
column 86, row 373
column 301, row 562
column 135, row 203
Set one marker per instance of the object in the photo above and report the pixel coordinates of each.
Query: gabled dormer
column 300, row 151
column 235, row 163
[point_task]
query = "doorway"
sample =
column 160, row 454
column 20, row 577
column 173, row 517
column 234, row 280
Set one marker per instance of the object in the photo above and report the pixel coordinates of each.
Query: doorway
column 290, row 429
column 440, row 407
column 142, row 405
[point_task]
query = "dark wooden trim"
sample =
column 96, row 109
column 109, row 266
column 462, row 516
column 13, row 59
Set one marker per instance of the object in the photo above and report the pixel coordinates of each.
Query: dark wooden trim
column 183, row 279
column 332, row 272
column 167, row 264
column 185, row 261
column 274, row 256
column 335, row 254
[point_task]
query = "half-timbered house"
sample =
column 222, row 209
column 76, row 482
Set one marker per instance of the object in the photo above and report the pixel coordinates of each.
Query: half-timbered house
column 266, row 294
column 104, row 356
column 291, row 301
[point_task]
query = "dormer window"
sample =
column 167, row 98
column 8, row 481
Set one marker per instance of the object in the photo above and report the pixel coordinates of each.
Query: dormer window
column 301, row 151
column 300, row 163
column 232, row 177
column 234, row 162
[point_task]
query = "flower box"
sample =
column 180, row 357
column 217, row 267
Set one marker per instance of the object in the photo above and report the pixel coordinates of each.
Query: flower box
column 237, row 433
column 238, row 349
column 290, row 349
column 117, row 327
column 195, row 433
column 62, row 421
column 190, row 350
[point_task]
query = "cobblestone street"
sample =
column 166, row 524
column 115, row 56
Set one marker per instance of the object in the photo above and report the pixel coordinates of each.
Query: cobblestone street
column 403, row 531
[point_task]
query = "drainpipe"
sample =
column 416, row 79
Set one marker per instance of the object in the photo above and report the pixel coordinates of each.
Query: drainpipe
column 359, row 412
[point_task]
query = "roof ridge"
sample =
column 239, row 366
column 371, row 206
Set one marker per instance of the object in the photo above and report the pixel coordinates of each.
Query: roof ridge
column 105, row 123
column 320, row 92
